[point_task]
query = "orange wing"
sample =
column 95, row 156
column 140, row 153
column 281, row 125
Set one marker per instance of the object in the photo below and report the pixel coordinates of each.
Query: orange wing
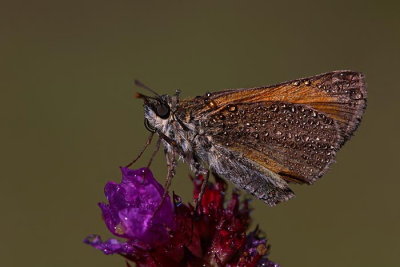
column 341, row 95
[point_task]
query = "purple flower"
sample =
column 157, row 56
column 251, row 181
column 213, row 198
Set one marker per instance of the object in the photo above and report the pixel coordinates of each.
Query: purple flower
column 110, row 246
column 131, row 212
column 177, row 234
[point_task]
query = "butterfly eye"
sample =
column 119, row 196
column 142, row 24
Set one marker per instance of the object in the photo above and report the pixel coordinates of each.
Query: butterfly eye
column 148, row 126
column 162, row 110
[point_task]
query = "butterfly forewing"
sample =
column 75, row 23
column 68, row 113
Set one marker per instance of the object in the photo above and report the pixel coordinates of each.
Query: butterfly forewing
column 340, row 94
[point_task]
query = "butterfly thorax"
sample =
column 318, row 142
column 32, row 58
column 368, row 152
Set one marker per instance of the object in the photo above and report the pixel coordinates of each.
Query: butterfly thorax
column 178, row 135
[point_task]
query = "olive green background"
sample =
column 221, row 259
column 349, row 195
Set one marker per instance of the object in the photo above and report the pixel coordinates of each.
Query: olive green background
column 69, row 119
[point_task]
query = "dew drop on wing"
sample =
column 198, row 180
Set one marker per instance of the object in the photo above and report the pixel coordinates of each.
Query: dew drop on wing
column 355, row 94
column 274, row 108
column 232, row 108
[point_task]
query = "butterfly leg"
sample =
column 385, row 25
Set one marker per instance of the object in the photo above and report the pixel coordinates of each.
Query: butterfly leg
column 154, row 152
column 171, row 165
column 205, row 174
column 143, row 149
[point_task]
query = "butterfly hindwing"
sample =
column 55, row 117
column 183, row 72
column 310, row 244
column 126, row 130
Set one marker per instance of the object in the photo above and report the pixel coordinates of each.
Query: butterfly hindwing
column 293, row 140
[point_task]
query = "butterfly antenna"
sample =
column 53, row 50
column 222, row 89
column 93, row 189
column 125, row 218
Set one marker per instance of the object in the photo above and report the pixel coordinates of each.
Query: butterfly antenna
column 141, row 85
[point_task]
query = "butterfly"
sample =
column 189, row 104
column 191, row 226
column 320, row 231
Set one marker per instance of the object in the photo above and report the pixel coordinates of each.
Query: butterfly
column 263, row 138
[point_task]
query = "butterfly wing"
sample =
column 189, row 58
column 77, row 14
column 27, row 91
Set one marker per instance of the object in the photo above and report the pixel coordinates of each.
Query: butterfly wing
column 292, row 129
column 341, row 95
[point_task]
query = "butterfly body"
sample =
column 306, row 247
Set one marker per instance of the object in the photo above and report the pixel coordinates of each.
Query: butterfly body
column 263, row 138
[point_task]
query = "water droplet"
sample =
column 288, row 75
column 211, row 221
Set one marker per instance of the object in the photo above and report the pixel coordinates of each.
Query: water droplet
column 314, row 114
column 212, row 104
column 208, row 94
column 356, row 94
column 247, row 123
column 177, row 200
column 278, row 132
column 296, row 83
column 307, row 82
column 274, row 108
column 119, row 229
column 232, row 108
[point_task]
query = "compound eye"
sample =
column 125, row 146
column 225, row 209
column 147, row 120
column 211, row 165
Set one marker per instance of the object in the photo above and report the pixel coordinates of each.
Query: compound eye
column 162, row 110
column 148, row 126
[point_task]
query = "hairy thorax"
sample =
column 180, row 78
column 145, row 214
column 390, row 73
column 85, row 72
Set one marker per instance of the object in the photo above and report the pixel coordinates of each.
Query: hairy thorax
column 185, row 138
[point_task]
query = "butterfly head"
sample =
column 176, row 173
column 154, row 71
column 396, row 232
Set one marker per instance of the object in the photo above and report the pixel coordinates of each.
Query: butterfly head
column 157, row 111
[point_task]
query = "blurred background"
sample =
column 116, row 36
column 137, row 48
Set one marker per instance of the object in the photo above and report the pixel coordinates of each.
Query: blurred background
column 69, row 119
